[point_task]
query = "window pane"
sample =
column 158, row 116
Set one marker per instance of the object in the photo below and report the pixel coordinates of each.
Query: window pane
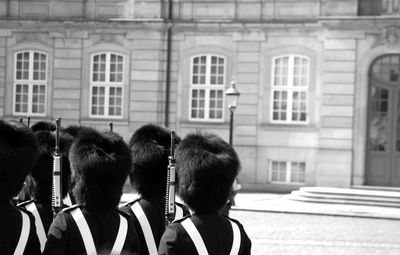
column 115, row 101
column 279, row 105
column 116, row 68
column 299, row 106
column 297, row 172
column 99, row 67
column 38, row 98
column 217, row 71
column 281, row 71
column 199, row 70
column 278, row 171
column 197, row 103
column 215, row 105
column 22, row 63
column 97, row 107
column 300, row 71
column 39, row 66
column 21, row 98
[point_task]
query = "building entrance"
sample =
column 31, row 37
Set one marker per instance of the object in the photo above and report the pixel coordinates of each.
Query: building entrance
column 383, row 148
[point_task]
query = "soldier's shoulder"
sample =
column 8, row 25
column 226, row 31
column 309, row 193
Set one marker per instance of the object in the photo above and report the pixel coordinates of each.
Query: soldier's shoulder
column 70, row 209
column 26, row 203
column 182, row 219
column 129, row 203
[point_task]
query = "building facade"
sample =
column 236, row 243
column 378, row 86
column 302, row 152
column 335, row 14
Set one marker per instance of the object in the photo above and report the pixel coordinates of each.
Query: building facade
column 319, row 79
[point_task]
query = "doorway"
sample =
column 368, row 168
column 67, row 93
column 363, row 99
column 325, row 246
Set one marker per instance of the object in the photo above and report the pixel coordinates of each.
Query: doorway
column 383, row 122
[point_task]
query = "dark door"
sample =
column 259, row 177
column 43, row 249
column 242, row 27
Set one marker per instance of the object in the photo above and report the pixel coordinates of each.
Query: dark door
column 383, row 150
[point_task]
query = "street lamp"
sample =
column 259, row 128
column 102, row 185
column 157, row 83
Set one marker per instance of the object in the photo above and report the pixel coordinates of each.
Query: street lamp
column 232, row 95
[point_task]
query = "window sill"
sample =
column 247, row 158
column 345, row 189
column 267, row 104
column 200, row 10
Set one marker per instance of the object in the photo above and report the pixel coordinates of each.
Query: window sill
column 289, row 127
column 97, row 122
column 204, row 124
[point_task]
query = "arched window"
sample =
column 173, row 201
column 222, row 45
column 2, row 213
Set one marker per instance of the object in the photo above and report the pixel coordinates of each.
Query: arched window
column 106, row 85
column 30, row 83
column 207, row 84
column 290, row 83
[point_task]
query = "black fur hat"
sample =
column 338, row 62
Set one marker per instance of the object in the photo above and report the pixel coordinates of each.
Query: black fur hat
column 73, row 130
column 207, row 167
column 100, row 163
column 150, row 148
column 43, row 125
column 39, row 182
column 18, row 152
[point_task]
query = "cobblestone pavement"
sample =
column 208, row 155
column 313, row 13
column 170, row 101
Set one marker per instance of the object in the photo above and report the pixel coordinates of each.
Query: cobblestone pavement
column 287, row 233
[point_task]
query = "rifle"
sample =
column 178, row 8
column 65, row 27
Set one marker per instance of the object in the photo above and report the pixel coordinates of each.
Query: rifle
column 29, row 121
column 170, row 194
column 57, row 188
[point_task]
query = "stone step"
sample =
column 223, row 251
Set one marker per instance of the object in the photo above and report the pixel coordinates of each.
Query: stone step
column 347, row 196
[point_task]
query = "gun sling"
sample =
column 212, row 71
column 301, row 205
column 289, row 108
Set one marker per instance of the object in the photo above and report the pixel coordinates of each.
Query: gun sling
column 23, row 238
column 198, row 240
column 84, row 229
column 145, row 225
column 38, row 223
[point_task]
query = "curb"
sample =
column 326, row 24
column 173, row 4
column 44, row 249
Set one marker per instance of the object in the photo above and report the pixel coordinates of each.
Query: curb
column 334, row 214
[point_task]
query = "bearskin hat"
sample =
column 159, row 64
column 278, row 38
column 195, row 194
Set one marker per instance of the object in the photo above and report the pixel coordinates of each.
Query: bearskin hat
column 100, row 164
column 150, row 148
column 18, row 152
column 43, row 125
column 39, row 182
column 206, row 167
column 72, row 130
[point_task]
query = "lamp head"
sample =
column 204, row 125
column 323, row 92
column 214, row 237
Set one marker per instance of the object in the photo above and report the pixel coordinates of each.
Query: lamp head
column 232, row 95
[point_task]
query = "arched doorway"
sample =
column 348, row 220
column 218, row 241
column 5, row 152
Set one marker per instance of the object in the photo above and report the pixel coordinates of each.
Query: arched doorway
column 383, row 136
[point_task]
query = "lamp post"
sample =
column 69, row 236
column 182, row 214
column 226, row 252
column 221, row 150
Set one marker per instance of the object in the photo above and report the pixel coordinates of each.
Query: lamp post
column 232, row 95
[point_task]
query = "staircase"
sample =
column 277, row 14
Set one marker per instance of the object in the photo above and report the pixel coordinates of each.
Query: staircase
column 357, row 195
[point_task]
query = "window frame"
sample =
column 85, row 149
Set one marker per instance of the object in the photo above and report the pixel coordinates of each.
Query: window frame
column 288, row 173
column 207, row 87
column 107, row 85
column 290, row 89
column 30, row 82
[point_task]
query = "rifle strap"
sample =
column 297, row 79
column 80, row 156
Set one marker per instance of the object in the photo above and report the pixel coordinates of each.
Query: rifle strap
column 236, row 238
column 195, row 236
column 121, row 236
column 84, row 229
column 198, row 240
column 87, row 237
column 38, row 223
column 145, row 225
column 23, row 238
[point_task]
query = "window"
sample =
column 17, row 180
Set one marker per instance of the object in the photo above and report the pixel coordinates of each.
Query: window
column 30, row 83
column 287, row 172
column 106, row 85
column 290, row 82
column 207, row 88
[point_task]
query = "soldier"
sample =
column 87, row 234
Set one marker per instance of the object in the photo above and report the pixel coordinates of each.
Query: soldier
column 39, row 181
column 18, row 152
column 150, row 148
column 100, row 163
column 206, row 167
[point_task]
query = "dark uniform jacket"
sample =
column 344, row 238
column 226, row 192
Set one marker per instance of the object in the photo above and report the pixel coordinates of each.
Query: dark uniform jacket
column 10, row 230
column 215, row 230
column 155, row 213
column 64, row 236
